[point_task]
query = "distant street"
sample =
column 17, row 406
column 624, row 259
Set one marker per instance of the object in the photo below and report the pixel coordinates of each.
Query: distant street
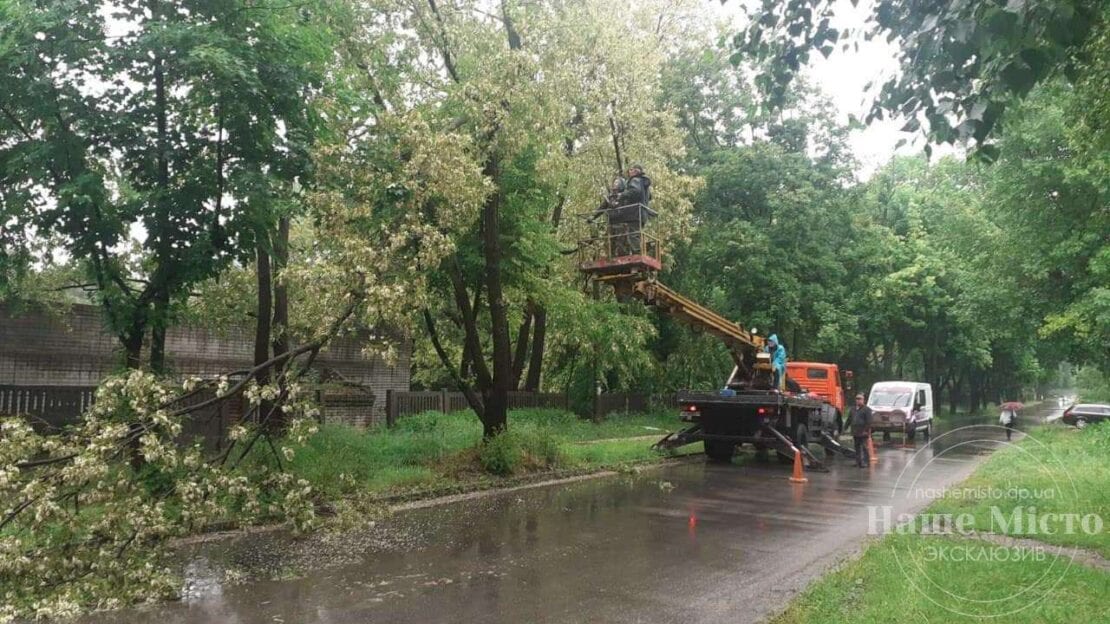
column 688, row 543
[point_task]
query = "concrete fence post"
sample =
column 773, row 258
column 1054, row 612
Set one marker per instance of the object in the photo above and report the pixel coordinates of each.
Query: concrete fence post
column 390, row 406
column 444, row 405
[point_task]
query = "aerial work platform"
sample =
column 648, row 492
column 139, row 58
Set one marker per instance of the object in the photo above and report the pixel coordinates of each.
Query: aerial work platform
column 618, row 244
column 620, row 253
column 754, row 406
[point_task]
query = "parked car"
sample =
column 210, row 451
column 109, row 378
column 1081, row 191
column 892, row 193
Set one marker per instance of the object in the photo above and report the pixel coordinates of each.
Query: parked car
column 1083, row 413
column 902, row 407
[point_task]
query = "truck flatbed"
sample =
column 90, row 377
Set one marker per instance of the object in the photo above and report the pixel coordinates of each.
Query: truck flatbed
column 698, row 398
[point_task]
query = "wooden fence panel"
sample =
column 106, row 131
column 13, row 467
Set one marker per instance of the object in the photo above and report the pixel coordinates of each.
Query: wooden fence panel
column 48, row 407
column 622, row 402
column 552, row 400
column 401, row 404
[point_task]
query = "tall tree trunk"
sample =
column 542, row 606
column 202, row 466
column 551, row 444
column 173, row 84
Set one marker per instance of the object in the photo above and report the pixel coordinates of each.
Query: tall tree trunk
column 132, row 341
column 264, row 312
column 158, row 332
column 521, row 353
column 955, row 393
column 497, row 402
column 279, row 332
column 160, row 280
column 888, row 359
column 496, row 397
column 539, row 343
column 539, row 315
column 281, row 292
column 973, row 391
column 464, row 361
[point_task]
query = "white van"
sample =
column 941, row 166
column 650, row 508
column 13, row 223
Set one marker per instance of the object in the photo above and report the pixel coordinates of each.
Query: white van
column 896, row 404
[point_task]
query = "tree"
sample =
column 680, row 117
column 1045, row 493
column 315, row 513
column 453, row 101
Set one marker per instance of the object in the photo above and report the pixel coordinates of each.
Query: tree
column 1049, row 192
column 175, row 124
column 536, row 89
column 962, row 64
column 82, row 525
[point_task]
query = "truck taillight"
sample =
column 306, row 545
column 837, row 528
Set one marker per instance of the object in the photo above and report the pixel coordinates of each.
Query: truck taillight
column 761, row 411
column 692, row 408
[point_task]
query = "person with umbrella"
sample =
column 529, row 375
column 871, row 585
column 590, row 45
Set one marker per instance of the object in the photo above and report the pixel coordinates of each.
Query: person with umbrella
column 1008, row 417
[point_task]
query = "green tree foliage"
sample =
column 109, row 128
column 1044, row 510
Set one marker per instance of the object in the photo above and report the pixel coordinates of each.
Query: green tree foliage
column 962, row 63
column 539, row 89
column 1049, row 192
column 180, row 123
column 417, row 165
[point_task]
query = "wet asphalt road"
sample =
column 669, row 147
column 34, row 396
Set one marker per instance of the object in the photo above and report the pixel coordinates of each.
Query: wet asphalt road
column 688, row 543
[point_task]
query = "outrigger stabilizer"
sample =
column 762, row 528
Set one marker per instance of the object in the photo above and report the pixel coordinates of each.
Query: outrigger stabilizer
column 770, row 438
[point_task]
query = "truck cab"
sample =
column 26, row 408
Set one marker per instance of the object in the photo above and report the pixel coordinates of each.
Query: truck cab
column 820, row 379
column 824, row 381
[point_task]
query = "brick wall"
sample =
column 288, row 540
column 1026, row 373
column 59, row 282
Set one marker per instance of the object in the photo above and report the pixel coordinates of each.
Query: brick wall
column 74, row 349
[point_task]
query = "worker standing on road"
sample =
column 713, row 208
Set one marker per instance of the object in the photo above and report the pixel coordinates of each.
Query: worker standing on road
column 778, row 359
column 859, row 419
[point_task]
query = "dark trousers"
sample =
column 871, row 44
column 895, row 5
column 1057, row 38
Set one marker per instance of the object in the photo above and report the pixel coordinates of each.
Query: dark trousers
column 624, row 239
column 1009, row 429
column 863, row 458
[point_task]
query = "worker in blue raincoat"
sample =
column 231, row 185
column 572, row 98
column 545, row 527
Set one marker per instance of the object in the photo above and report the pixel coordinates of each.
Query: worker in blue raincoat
column 778, row 358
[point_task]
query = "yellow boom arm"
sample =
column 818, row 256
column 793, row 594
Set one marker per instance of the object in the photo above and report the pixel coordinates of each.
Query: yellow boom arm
column 740, row 342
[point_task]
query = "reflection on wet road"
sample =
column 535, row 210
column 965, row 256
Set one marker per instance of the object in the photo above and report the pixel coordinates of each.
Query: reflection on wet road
column 688, row 543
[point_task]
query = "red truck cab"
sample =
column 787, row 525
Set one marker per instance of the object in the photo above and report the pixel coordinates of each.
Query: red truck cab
column 821, row 380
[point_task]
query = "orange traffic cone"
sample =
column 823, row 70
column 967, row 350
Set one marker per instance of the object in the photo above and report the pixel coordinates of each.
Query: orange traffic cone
column 799, row 475
column 871, row 450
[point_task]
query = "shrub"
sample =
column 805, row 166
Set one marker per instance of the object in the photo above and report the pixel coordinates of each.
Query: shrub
column 541, row 448
column 501, row 454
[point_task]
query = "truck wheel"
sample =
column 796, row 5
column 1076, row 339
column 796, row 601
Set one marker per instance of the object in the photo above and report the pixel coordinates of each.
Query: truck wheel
column 719, row 451
column 886, row 436
column 801, row 439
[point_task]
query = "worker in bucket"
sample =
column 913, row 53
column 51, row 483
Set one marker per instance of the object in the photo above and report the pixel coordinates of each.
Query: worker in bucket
column 619, row 225
column 634, row 202
column 638, row 188
column 778, row 359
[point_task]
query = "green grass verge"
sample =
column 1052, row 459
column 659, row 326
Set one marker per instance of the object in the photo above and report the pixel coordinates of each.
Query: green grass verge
column 1054, row 470
column 875, row 588
column 966, row 580
column 433, row 450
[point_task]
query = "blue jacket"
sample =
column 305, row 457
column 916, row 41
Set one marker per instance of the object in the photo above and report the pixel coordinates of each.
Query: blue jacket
column 778, row 356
